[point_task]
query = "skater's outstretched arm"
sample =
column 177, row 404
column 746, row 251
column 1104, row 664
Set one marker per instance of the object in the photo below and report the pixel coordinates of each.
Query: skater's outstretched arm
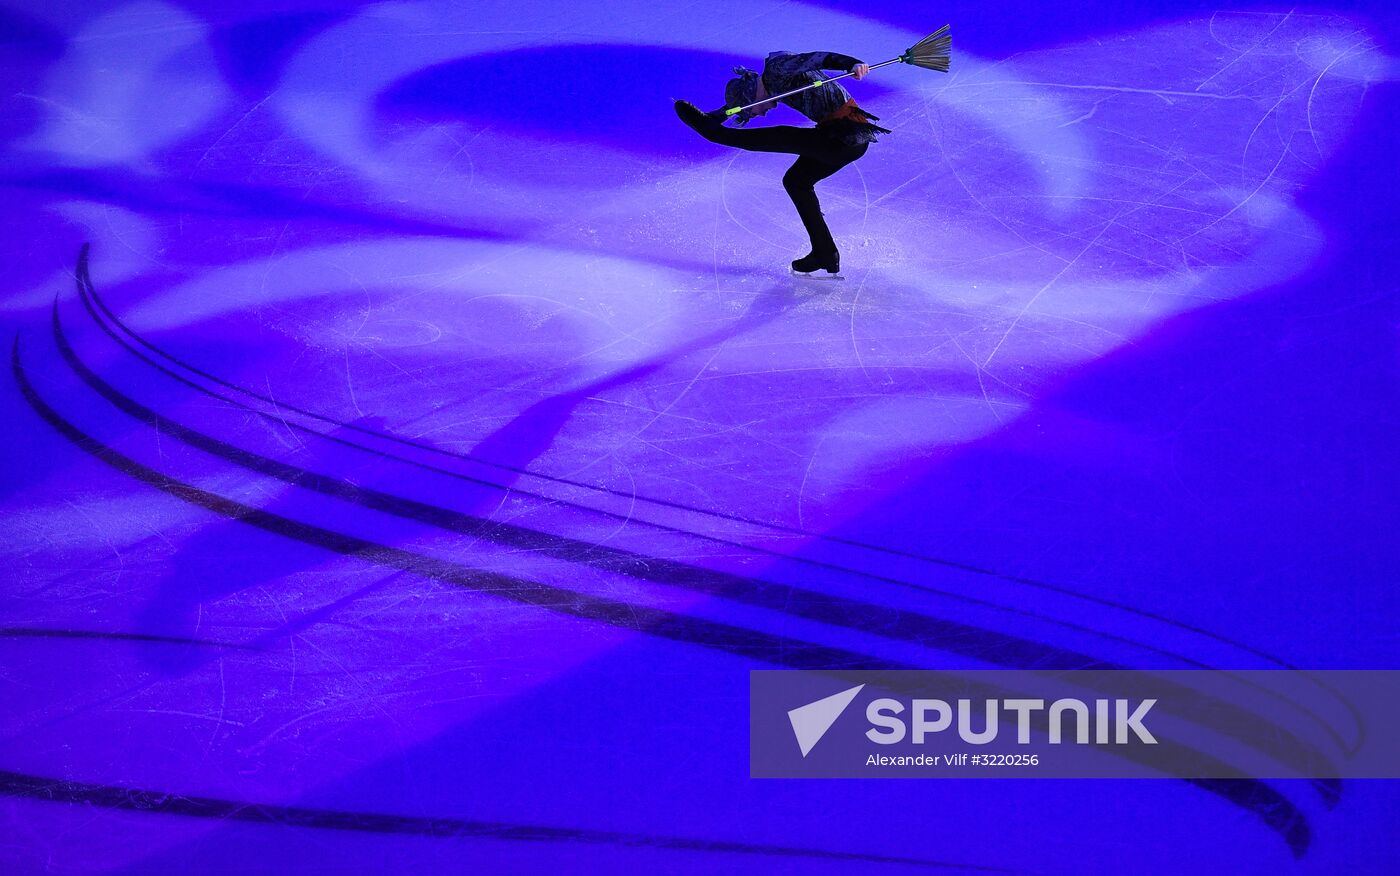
column 836, row 61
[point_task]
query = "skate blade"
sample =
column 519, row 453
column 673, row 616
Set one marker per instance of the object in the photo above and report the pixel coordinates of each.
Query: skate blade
column 820, row 276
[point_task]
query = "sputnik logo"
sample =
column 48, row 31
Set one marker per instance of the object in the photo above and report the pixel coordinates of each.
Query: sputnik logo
column 810, row 722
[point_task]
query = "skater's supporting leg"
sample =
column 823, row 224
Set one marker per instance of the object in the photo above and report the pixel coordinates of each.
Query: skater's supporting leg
column 800, row 182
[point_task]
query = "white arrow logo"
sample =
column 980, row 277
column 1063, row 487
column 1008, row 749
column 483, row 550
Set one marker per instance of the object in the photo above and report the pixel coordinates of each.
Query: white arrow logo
column 810, row 722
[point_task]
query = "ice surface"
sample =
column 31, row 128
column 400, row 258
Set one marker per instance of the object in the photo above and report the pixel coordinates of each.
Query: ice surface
column 435, row 436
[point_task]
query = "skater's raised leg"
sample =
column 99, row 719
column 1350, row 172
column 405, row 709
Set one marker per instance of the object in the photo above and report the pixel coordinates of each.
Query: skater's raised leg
column 778, row 138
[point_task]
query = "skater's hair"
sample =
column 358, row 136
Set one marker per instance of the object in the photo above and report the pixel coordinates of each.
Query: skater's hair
column 741, row 90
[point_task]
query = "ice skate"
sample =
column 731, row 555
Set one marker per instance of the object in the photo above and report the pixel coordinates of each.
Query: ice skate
column 694, row 117
column 819, row 267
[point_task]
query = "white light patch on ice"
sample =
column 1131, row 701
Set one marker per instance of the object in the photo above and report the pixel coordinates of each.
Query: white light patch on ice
column 133, row 81
column 603, row 298
column 854, row 447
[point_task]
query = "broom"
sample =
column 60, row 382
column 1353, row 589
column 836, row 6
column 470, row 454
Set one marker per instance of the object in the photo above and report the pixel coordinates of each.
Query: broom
column 931, row 53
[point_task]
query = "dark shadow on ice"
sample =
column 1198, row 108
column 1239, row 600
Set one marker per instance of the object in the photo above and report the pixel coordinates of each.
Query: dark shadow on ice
column 525, row 438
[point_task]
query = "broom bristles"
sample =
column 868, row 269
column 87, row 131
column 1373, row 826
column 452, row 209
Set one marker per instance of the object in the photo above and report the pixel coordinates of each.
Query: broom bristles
column 933, row 52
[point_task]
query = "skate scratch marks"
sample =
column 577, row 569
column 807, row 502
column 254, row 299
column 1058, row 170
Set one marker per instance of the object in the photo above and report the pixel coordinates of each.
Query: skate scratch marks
column 1242, row 55
column 1127, row 211
column 724, row 200
column 1364, row 44
column 1125, row 89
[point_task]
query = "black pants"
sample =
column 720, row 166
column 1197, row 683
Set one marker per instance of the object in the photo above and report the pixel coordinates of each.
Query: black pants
column 818, row 157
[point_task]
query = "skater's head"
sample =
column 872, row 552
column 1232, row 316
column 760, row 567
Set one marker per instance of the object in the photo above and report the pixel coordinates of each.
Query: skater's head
column 745, row 88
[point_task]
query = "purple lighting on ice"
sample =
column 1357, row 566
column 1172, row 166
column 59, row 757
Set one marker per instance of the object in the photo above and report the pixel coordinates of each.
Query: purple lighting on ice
column 415, row 434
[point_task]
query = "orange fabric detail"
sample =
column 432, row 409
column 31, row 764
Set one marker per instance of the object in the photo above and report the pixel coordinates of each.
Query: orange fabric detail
column 847, row 110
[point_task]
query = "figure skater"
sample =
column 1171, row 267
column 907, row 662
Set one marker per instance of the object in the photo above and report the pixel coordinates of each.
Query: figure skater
column 842, row 134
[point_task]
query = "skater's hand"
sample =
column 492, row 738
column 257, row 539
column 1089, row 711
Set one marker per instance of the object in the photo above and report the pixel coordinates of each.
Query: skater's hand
column 860, row 70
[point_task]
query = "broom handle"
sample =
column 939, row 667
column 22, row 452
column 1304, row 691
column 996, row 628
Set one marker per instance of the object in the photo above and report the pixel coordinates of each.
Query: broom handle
column 736, row 110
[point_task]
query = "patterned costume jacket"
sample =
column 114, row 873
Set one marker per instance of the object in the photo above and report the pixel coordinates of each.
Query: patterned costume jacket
column 829, row 105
